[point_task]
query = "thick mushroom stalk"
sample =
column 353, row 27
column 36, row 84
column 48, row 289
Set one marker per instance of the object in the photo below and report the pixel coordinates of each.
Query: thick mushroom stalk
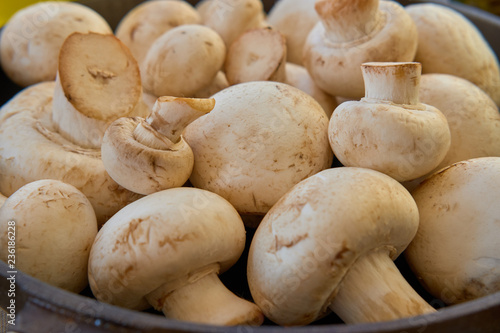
column 93, row 90
column 373, row 290
column 349, row 20
column 149, row 155
column 389, row 130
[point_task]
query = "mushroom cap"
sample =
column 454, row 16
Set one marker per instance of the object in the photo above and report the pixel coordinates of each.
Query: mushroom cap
column 441, row 29
column 335, row 67
column 307, row 242
column 140, row 168
column 455, row 253
column 163, row 239
column 55, row 227
column 259, row 140
column 31, row 39
column 183, row 61
column 294, row 19
column 149, row 20
column 31, row 149
column 472, row 116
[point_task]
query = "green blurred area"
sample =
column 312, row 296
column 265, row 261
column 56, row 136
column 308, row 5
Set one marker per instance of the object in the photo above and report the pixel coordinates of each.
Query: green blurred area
column 492, row 6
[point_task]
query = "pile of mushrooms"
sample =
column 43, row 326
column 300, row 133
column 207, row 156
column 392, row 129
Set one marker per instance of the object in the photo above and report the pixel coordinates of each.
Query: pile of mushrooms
column 150, row 150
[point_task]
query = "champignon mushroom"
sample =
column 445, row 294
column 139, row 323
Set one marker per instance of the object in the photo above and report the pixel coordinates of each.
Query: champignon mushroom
column 354, row 32
column 232, row 18
column 455, row 253
column 294, row 19
column 54, row 226
column 31, row 39
column 54, row 131
column 149, row 20
column 183, row 61
column 329, row 243
column 260, row 55
column 390, row 130
column 149, row 155
column 259, row 140
column 441, row 29
column 166, row 250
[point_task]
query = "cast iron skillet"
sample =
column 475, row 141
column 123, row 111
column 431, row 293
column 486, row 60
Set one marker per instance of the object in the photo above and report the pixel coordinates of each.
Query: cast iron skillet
column 43, row 308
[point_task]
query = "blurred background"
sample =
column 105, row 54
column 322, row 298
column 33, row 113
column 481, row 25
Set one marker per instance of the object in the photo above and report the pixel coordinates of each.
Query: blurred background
column 492, row 6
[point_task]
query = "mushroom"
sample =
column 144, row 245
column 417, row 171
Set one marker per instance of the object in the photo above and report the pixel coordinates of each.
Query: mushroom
column 149, row 20
column 54, row 130
column 183, row 61
column 232, row 18
column 31, row 39
column 329, row 243
column 352, row 32
column 390, row 130
column 294, row 19
column 259, row 140
column 455, row 253
column 166, row 250
column 54, row 226
column 260, row 55
column 441, row 29
column 149, row 155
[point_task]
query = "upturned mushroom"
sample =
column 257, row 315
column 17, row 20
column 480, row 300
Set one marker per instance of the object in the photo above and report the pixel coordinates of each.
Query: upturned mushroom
column 54, row 226
column 232, row 18
column 441, row 29
column 31, row 39
column 294, row 19
column 183, row 61
column 354, row 32
column 389, row 130
column 54, row 130
column 329, row 243
column 149, row 155
column 166, row 251
column 260, row 55
column 149, row 20
column 455, row 253
column 259, row 140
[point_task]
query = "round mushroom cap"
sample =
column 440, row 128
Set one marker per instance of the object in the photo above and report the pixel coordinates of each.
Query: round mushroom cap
column 163, row 239
column 260, row 140
column 308, row 241
column 31, row 39
column 455, row 253
column 149, row 20
column 32, row 149
column 55, row 227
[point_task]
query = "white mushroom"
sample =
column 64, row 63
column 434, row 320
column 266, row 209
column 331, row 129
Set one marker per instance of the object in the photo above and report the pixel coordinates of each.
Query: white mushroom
column 232, row 18
column 149, row 155
column 93, row 90
column 53, row 226
column 166, row 250
column 329, row 243
column 455, row 253
column 259, row 140
column 390, row 130
column 354, row 32
column 441, row 29
column 260, row 55
column 31, row 39
column 151, row 19
column 294, row 19
column 183, row 61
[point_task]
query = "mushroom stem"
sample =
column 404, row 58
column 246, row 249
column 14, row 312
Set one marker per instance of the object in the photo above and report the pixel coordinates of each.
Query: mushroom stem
column 206, row 301
column 397, row 82
column 374, row 290
column 171, row 115
column 348, row 20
